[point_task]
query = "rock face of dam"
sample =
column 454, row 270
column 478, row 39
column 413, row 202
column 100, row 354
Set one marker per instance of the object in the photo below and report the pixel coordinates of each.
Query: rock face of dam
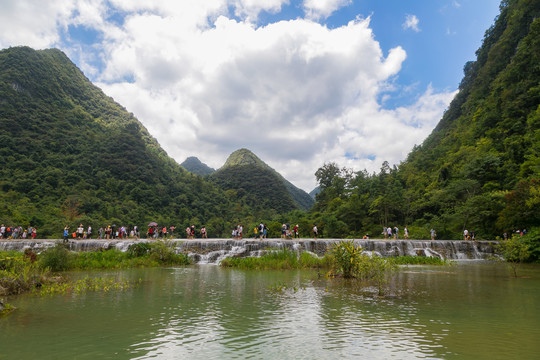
column 214, row 250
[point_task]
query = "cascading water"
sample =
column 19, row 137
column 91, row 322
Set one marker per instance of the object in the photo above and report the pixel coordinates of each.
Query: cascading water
column 214, row 250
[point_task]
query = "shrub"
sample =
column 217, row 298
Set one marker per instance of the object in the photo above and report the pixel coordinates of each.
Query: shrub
column 55, row 259
column 18, row 274
column 515, row 251
column 138, row 249
column 350, row 262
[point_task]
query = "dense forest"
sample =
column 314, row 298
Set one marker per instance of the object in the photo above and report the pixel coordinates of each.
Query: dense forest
column 70, row 154
column 258, row 185
column 479, row 169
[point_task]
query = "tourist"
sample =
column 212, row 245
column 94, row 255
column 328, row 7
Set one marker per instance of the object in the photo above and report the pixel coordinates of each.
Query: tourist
column 255, row 232
column 315, row 232
column 406, row 233
column 80, row 231
column 136, row 232
column 283, row 231
column 89, row 232
column 100, row 232
column 389, row 232
column 108, row 232
column 66, row 233
column 240, row 231
column 261, row 230
column 433, row 234
column 396, row 232
column 34, row 233
column 203, row 233
column 295, row 229
column 164, row 232
column 465, row 234
column 265, row 231
column 171, row 231
column 2, row 231
column 385, row 233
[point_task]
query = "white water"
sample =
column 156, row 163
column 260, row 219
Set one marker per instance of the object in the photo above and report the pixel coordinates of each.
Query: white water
column 214, row 250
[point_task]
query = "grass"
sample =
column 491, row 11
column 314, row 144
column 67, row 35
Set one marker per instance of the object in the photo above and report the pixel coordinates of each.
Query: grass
column 281, row 259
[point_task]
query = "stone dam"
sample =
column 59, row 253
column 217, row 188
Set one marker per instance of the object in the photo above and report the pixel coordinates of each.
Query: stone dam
column 203, row 251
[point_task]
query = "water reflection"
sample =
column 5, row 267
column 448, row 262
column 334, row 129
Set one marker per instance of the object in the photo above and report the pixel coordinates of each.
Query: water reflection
column 467, row 311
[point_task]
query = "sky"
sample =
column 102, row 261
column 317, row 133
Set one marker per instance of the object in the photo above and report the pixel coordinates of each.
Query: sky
column 300, row 83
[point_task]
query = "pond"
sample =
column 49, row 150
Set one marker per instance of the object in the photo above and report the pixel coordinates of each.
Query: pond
column 467, row 311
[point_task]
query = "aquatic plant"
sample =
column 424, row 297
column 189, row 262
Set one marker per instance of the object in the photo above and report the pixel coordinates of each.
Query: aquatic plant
column 351, row 262
column 86, row 284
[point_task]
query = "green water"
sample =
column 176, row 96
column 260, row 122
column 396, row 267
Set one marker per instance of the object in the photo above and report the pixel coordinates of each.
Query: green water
column 468, row 311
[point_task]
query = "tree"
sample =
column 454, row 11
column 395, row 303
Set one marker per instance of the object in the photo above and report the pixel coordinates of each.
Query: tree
column 514, row 251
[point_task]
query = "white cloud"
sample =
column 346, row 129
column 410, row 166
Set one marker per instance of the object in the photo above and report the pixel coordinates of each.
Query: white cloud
column 296, row 93
column 321, row 9
column 411, row 22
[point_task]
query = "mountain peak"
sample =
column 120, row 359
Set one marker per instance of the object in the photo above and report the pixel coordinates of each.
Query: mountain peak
column 244, row 157
column 195, row 166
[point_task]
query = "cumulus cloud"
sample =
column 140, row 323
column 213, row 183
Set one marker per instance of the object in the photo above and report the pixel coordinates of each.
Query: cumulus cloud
column 206, row 81
column 321, row 9
column 411, row 22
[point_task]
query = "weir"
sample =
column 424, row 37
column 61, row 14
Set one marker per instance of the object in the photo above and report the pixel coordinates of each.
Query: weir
column 214, row 250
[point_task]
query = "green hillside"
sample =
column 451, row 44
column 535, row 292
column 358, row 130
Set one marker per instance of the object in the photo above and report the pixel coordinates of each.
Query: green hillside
column 259, row 184
column 70, row 154
column 480, row 168
column 195, row 166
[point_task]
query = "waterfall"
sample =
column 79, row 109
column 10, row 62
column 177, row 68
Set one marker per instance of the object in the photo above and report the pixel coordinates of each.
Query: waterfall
column 214, row 250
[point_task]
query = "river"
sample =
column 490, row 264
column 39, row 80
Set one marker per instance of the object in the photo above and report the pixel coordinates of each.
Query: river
column 472, row 310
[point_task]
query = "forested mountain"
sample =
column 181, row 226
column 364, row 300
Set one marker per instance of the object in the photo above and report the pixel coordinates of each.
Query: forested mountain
column 480, row 168
column 258, row 184
column 70, row 154
column 195, row 166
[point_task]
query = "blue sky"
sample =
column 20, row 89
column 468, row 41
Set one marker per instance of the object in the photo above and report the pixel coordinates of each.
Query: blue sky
column 300, row 83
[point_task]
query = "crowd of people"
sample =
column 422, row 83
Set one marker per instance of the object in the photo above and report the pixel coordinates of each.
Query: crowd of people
column 103, row 233
column 17, row 232
column 159, row 232
column 393, row 232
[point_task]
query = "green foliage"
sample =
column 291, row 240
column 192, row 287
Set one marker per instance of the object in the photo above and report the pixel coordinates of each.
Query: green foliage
column 347, row 258
column 55, row 258
column 350, row 262
column 478, row 170
column 85, row 285
column 138, row 249
column 515, row 251
column 195, row 166
column 163, row 252
column 258, row 185
column 18, row 273
column 70, row 154
column 281, row 259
